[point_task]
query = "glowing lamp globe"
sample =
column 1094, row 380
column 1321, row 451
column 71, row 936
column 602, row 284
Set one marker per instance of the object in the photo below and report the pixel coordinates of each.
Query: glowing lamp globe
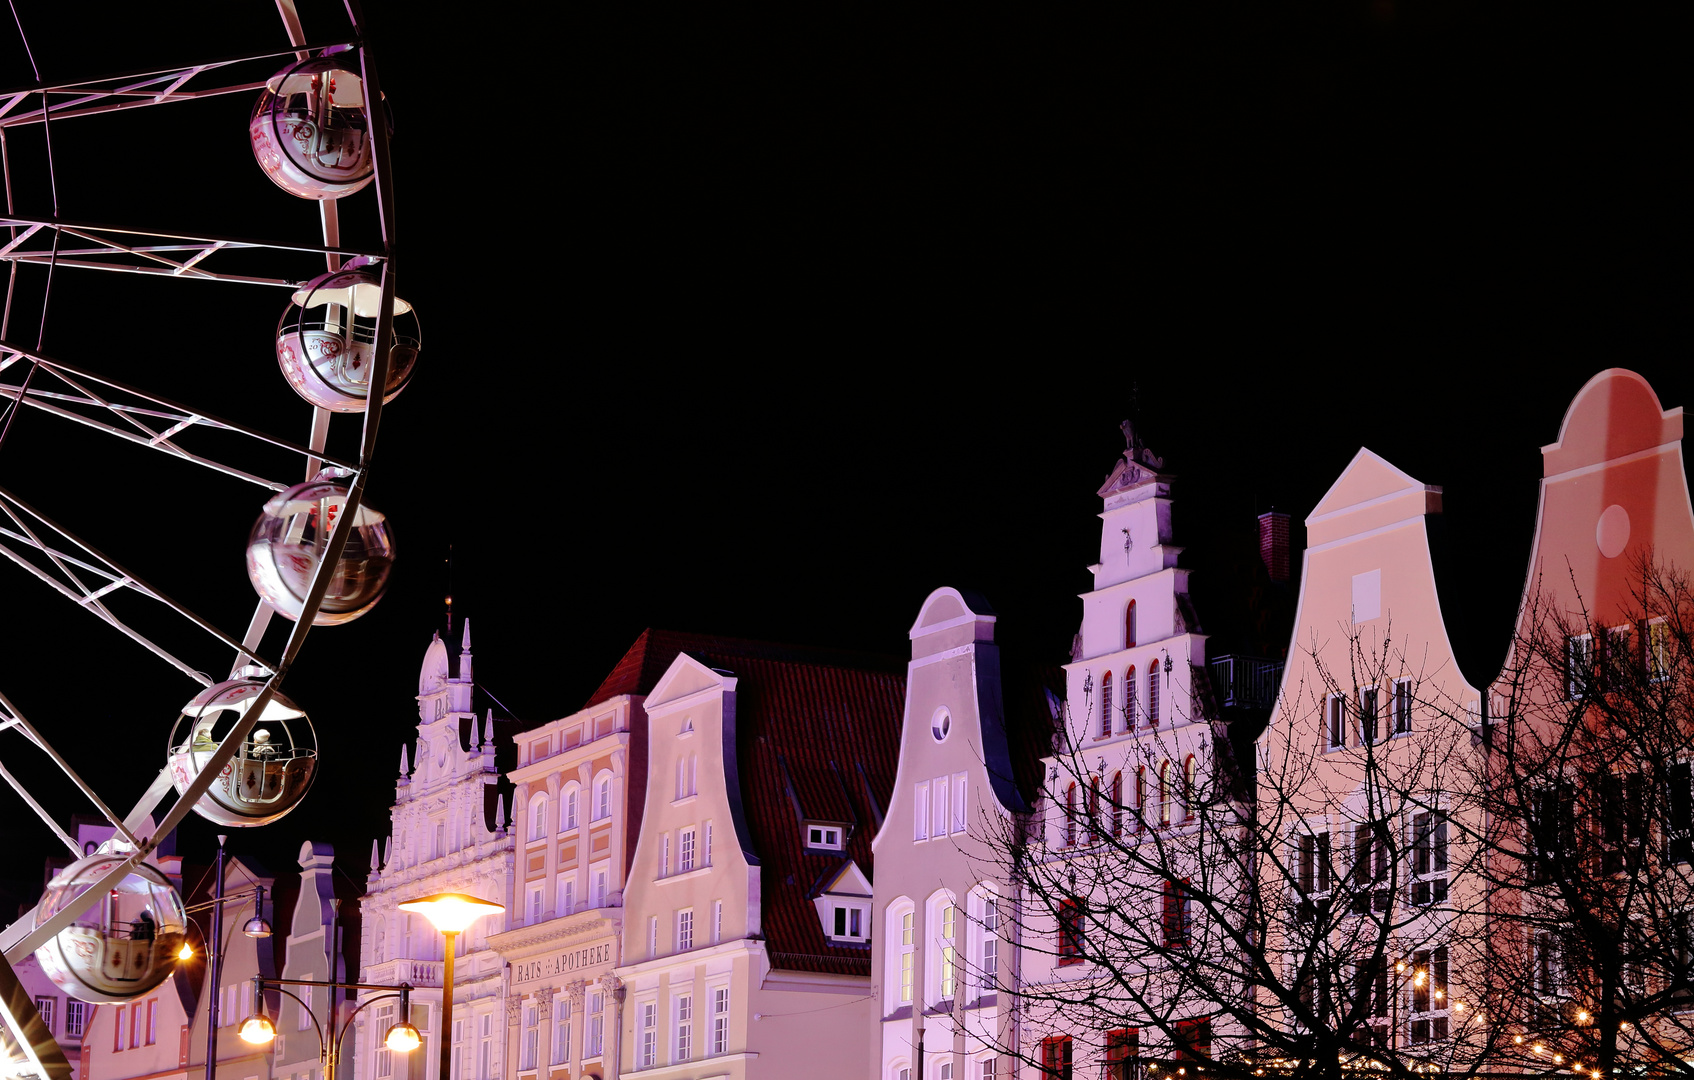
column 257, row 1030
column 309, row 129
column 403, row 1037
column 451, row 913
column 272, row 768
column 326, row 341
column 121, row 945
column 288, row 542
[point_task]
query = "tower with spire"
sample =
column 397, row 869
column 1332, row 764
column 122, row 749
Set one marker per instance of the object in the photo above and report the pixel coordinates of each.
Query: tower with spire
column 448, row 833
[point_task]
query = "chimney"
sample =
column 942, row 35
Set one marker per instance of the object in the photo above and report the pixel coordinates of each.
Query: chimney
column 1273, row 544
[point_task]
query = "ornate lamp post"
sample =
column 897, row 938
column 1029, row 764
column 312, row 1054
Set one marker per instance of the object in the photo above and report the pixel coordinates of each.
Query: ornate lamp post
column 450, row 913
column 259, row 1030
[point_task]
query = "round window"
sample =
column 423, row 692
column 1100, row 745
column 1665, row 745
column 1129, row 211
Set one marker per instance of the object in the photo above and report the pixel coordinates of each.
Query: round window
column 941, row 725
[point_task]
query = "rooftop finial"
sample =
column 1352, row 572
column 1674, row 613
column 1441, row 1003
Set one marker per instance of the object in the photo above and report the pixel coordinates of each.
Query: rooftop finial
column 405, row 766
column 465, row 645
column 375, row 864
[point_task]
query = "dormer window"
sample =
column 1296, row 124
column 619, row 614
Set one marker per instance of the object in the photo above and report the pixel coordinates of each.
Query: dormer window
column 827, row 837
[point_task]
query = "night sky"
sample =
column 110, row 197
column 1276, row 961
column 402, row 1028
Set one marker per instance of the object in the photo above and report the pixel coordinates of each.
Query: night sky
column 769, row 325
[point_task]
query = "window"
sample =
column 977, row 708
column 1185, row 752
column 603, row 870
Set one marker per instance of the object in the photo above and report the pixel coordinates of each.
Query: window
column 531, row 1038
column 652, row 936
column 959, row 792
column 1123, row 1053
column 985, row 1069
column 920, row 811
column 534, row 904
column 305, row 1014
column 1367, row 715
column 571, row 794
column 1402, row 706
column 118, row 1029
column 1336, row 707
column 941, row 724
column 135, row 1021
column 649, row 1034
column 152, row 1021
column 596, row 1025
column 1618, row 657
column 1429, row 995
column 1193, row 1039
column 665, row 856
column 1681, row 806
column 681, row 777
column 1176, row 916
column 1129, row 626
column 1056, row 1058
column 720, row 1020
column 849, row 922
column 1129, row 717
column 76, row 1017
column 1190, row 776
column 1314, row 876
column 561, row 1029
column 384, row 1056
column 1094, row 810
column 1370, row 868
column 938, row 795
column 1071, row 932
column 823, row 836
column 1579, row 665
column 717, row 921
column 1164, row 793
column 1370, row 998
column 1623, row 818
column 1070, row 815
column 684, row 1027
column 600, row 888
column 1552, row 828
column 1153, row 696
column 949, row 951
column 1429, row 858
column 685, row 851
column 44, row 1008
column 1117, row 803
column 603, row 798
column 538, row 817
column 1140, row 795
column 1105, row 706
column 685, row 930
column 567, row 894
column 1658, row 649
column 988, row 964
column 907, row 947
column 944, row 1070
column 706, row 853
column 440, row 848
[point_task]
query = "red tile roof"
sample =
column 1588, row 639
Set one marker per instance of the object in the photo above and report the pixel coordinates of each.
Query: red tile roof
column 817, row 734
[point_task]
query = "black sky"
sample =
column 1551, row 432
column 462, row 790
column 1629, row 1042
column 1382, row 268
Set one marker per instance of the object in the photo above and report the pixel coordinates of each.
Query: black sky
column 768, row 325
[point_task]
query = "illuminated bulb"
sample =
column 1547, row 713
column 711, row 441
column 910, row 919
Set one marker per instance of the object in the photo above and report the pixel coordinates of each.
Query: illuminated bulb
column 1558, row 1059
column 1582, row 1016
column 257, row 1029
column 1399, row 965
column 403, row 1037
column 452, row 913
column 1539, row 1049
column 1517, row 1039
column 1439, row 994
column 186, row 952
column 1458, row 1006
column 1417, row 980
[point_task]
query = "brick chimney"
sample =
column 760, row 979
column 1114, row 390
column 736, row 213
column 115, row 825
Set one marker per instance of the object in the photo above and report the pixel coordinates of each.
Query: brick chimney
column 1273, row 544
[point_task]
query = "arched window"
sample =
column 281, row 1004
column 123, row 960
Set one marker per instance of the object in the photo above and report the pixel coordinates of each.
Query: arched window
column 1094, row 810
column 1129, row 626
column 1129, row 718
column 1153, row 696
column 572, row 798
column 1105, row 704
column 1164, row 793
column 1190, row 772
column 537, row 817
column 902, row 952
column 1070, row 815
column 1117, row 803
column 603, row 797
column 1140, row 795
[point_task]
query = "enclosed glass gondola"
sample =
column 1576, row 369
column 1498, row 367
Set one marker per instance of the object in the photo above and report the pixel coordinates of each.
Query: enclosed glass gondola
column 123, row 944
column 309, row 128
column 272, row 768
column 288, row 543
column 326, row 340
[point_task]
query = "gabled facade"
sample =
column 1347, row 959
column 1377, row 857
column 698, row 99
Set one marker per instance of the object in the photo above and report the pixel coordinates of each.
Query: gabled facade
column 1364, row 776
column 768, row 768
column 315, row 945
column 448, row 834
column 940, row 952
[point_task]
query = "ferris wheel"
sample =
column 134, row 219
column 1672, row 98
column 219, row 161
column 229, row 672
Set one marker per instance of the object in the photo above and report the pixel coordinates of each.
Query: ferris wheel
column 242, row 753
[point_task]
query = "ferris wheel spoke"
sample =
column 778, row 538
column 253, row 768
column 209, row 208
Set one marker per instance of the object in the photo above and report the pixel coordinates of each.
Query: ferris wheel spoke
column 207, row 239
column 41, row 812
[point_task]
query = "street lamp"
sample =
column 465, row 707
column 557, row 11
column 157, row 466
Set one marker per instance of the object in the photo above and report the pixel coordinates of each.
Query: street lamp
column 452, row 914
column 401, row 1037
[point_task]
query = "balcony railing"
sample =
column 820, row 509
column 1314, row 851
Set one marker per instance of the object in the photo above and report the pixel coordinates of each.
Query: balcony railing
column 1245, row 682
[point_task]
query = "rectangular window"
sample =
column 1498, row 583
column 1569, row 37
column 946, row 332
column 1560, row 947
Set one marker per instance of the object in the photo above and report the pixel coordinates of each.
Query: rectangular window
column 684, row 930
column 938, row 802
column 535, row 904
column 135, row 1024
column 1193, row 1039
column 561, row 1030
column 567, row 894
column 1056, row 1058
column 665, row 856
column 384, row 1056
column 685, row 853
column 1680, row 800
column 44, row 1008
column 720, row 1020
column 1658, row 650
column 1070, row 932
column 1337, row 708
column 305, row 1015
column 600, row 888
column 76, row 1017
column 1314, row 876
column 1579, row 661
column 985, row 1069
column 1402, row 706
column 706, row 853
column 906, row 949
column 531, row 1038
column 684, row 1027
column 1429, row 995
column 1618, row 658
column 1123, row 1051
column 652, row 936
column 118, row 1029
column 152, row 1021
column 1367, row 715
column 959, row 802
column 649, row 1035
column 920, row 811
column 596, row 1025
column 949, row 950
column 990, row 963
column 1429, row 858
column 717, row 921
column 1370, row 868
column 1176, row 921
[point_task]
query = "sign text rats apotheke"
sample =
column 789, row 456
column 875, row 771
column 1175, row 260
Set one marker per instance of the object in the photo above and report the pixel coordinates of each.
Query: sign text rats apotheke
column 561, row 963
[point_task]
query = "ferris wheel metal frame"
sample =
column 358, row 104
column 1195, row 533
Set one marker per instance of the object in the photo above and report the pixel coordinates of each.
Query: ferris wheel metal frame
column 74, row 568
